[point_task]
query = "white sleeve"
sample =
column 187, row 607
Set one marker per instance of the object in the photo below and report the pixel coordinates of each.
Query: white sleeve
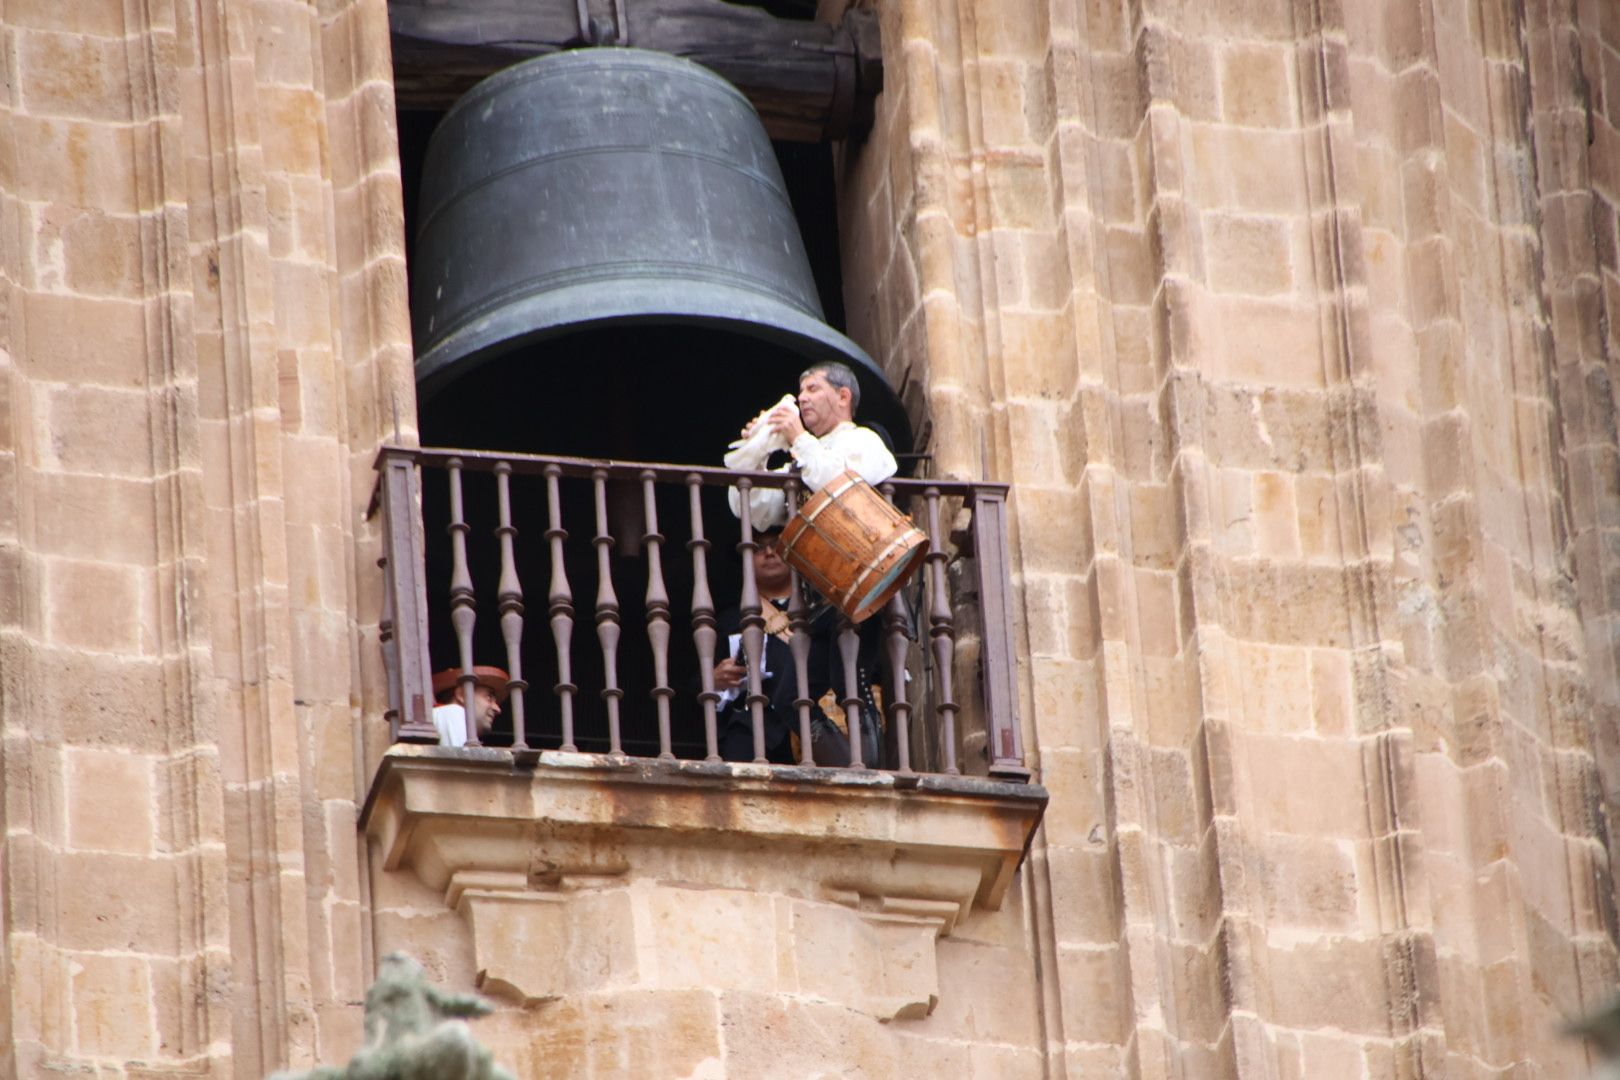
column 767, row 507
column 451, row 720
column 858, row 449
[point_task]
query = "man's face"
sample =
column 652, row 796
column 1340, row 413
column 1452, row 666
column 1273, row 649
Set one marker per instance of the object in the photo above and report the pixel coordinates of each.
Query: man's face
column 486, row 707
column 771, row 574
column 822, row 406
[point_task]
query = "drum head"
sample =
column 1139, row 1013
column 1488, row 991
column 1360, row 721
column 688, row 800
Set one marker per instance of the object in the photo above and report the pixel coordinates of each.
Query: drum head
column 890, row 583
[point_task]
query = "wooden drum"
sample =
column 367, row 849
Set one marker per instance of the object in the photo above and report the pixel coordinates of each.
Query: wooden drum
column 853, row 546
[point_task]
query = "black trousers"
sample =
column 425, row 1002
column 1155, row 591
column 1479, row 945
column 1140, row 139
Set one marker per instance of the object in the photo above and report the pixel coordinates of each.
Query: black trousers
column 737, row 740
column 828, row 745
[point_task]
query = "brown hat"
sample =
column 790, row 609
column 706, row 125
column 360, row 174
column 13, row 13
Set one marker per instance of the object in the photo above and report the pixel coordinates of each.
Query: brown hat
column 493, row 679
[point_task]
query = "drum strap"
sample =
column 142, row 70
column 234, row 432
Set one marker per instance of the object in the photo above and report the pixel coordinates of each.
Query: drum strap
column 776, row 622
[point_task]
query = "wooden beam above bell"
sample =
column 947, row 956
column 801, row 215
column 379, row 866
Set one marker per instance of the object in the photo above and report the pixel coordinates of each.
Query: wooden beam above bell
column 810, row 81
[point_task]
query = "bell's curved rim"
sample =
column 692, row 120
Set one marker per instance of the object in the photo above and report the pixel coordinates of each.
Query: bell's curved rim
column 535, row 318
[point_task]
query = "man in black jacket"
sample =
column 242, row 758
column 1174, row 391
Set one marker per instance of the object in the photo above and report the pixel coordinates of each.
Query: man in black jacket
column 829, row 738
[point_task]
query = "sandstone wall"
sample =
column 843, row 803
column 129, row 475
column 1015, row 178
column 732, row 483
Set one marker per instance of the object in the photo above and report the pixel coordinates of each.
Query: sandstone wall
column 1289, row 320
column 203, row 338
column 1292, row 314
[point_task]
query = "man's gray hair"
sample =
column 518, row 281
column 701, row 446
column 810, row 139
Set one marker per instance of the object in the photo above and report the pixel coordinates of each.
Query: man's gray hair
column 838, row 376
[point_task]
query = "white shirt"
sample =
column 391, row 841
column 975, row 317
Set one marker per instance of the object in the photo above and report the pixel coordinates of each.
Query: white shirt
column 819, row 461
column 451, row 720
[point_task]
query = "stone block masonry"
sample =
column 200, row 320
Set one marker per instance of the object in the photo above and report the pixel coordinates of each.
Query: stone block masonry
column 201, row 208
column 1291, row 325
column 1326, row 642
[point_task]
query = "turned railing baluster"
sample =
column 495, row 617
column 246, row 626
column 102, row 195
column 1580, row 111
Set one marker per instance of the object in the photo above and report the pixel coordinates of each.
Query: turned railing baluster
column 849, row 643
column 561, row 606
column 897, row 640
column 703, row 625
column 463, row 604
column 799, row 621
column 510, row 598
column 657, row 613
column 752, row 624
column 607, row 614
column 941, row 630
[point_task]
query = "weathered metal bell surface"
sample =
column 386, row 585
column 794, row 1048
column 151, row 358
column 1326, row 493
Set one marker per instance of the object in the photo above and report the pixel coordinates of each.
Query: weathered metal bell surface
column 612, row 188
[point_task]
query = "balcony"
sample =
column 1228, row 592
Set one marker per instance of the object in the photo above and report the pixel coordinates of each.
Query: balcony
column 627, row 656
column 600, row 586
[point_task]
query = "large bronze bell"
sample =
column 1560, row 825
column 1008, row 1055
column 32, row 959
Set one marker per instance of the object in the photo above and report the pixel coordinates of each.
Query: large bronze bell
column 607, row 262
column 607, row 265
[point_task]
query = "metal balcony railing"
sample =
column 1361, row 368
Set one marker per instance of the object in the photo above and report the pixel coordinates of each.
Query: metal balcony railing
column 469, row 535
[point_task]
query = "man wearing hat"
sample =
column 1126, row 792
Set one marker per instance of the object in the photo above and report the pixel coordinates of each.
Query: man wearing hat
column 450, row 715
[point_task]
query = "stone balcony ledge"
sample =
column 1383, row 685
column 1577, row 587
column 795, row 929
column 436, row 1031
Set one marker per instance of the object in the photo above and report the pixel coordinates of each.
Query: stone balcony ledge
column 612, row 862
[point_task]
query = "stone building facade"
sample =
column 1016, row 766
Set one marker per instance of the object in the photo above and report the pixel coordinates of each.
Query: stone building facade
column 1290, row 323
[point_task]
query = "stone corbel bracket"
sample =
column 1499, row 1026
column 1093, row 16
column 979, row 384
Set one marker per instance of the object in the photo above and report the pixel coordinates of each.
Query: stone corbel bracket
column 582, row 875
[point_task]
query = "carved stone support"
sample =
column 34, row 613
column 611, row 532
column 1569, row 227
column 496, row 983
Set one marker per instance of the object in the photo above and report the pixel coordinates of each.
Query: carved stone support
column 586, row 876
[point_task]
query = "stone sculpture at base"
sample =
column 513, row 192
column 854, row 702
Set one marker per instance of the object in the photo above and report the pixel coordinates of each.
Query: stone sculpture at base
column 414, row 1031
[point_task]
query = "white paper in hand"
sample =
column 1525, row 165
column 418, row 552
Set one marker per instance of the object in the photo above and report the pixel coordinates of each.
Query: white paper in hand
column 734, row 646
